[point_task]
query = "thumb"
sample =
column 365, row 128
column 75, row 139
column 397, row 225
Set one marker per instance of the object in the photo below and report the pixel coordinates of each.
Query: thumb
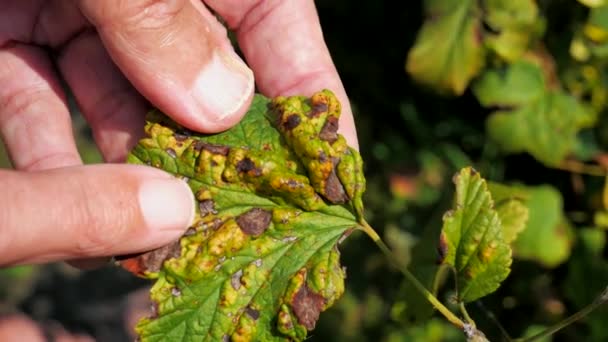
column 178, row 56
column 89, row 211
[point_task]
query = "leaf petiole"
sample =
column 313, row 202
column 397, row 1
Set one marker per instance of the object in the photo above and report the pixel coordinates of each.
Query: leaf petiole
column 367, row 229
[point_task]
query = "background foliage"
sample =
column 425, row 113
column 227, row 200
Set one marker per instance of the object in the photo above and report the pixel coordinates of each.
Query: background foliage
column 516, row 89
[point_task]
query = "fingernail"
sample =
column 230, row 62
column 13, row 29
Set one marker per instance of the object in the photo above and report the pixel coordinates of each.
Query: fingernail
column 223, row 86
column 166, row 204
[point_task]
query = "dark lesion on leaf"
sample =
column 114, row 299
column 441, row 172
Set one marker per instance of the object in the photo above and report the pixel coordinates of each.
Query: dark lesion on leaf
column 171, row 152
column 329, row 132
column 213, row 149
column 334, row 191
column 246, row 165
column 292, row 121
column 207, row 207
column 235, row 280
column 181, row 136
column 253, row 313
column 318, row 107
column 255, row 221
column 442, row 249
column 307, row 306
column 151, row 261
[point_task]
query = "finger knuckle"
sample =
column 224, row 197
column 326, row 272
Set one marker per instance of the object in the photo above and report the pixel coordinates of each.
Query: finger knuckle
column 103, row 228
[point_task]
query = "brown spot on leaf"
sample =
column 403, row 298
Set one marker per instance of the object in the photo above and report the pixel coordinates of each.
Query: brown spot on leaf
column 329, row 132
column 214, row 149
column 151, row 261
column 235, row 281
column 247, row 165
column 253, row 313
column 318, row 108
column 442, row 249
column 180, row 136
column 171, row 152
column 322, row 157
column 292, row 121
column 255, row 221
column 215, row 224
column 307, row 306
column 334, row 191
column 207, row 207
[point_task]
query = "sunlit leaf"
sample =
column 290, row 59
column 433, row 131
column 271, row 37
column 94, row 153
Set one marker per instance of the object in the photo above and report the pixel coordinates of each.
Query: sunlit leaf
column 472, row 239
column 448, row 52
column 534, row 119
column 593, row 3
column 546, row 237
column 513, row 26
column 276, row 193
column 511, row 208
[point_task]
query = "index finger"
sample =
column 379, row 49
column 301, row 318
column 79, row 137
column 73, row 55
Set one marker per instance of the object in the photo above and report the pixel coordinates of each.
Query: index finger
column 283, row 43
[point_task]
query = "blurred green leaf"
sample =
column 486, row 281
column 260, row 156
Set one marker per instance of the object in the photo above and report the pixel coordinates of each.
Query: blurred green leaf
column 513, row 24
column 448, row 51
column 546, row 237
column 593, row 3
column 542, row 122
column 511, row 208
column 472, row 239
column 513, row 215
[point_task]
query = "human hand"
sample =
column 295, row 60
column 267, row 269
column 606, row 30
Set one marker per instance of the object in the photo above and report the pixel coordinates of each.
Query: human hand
column 115, row 56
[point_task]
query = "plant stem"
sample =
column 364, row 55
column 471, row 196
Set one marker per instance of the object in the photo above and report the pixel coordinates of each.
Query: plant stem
column 600, row 300
column 575, row 166
column 426, row 293
column 465, row 314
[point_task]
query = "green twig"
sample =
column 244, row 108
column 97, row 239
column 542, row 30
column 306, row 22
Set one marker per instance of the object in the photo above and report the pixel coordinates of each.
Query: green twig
column 465, row 314
column 410, row 277
column 600, row 300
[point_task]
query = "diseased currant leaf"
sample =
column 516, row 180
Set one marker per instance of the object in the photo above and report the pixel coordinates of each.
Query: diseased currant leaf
column 512, row 26
column 472, row 239
column 275, row 194
column 537, row 120
column 448, row 51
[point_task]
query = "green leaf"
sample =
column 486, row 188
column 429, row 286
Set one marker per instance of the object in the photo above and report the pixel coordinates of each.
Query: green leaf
column 511, row 208
column 513, row 215
column 593, row 3
column 276, row 194
column 472, row 239
column 448, row 51
column 546, row 237
column 513, row 26
column 540, row 121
